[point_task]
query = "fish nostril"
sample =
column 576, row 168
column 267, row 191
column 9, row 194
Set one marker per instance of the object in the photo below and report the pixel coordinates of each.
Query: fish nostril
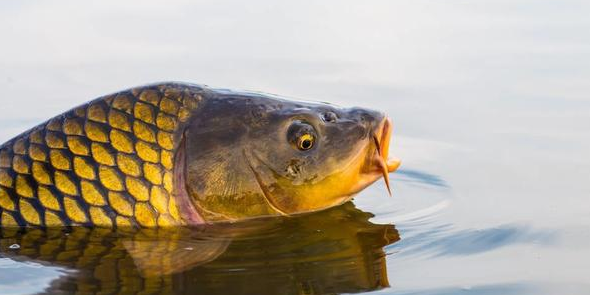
column 364, row 118
column 329, row 117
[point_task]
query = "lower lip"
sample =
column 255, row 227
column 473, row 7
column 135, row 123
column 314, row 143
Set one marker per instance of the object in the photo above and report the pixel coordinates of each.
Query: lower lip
column 385, row 137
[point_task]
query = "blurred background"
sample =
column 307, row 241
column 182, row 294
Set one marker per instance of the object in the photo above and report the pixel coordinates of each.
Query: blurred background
column 490, row 102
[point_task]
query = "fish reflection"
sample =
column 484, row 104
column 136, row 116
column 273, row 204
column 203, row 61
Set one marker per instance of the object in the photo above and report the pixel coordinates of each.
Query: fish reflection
column 329, row 252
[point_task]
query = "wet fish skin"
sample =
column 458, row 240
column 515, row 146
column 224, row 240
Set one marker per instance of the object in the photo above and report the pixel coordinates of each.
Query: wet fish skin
column 174, row 154
column 106, row 163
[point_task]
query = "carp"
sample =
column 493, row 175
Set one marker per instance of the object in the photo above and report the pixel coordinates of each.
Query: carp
column 173, row 154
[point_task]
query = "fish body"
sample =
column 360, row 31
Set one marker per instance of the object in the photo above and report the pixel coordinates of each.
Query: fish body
column 108, row 162
column 174, row 154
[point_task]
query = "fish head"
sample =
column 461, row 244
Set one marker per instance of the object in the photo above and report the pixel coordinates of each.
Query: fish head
column 256, row 155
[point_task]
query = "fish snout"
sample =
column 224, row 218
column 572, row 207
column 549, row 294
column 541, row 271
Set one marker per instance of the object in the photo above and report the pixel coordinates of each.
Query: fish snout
column 379, row 127
column 369, row 119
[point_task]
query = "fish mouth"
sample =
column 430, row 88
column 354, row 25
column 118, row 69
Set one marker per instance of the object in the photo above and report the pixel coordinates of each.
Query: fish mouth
column 380, row 159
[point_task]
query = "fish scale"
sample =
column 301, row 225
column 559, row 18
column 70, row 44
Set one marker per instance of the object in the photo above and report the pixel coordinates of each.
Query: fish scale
column 106, row 163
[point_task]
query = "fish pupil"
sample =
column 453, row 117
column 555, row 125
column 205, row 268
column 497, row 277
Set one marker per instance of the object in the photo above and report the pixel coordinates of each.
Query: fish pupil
column 306, row 144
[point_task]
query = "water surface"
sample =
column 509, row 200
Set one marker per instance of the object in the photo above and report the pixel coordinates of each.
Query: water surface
column 491, row 111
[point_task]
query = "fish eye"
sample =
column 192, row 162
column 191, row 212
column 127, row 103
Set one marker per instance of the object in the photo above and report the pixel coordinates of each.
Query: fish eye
column 305, row 142
column 302, row 136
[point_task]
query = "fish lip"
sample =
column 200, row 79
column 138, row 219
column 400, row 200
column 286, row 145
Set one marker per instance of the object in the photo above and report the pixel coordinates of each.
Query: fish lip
column 381, row 137
column 380, row 161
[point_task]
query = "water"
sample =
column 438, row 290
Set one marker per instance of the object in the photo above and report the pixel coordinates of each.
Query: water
column 491, row 112
column 334, row 252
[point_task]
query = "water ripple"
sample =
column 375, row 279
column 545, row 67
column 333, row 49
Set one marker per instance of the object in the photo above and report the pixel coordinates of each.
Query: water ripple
column 503, row 289
column 416, row 176
column 443, row 241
